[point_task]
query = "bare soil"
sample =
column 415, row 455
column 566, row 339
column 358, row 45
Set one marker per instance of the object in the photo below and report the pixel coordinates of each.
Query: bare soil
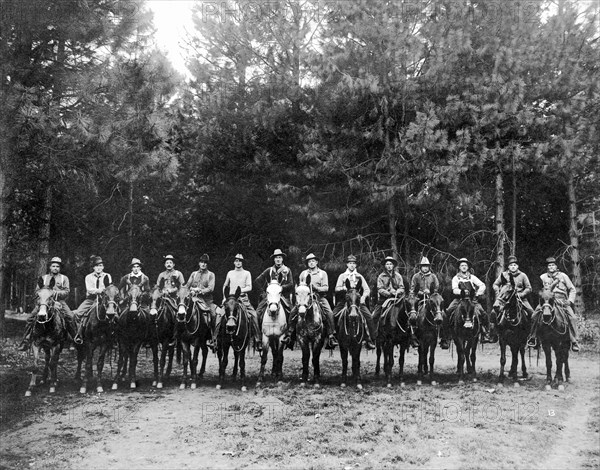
column 475, row 425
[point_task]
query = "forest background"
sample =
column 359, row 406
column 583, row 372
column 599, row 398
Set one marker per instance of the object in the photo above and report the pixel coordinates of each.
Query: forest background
column 438, row 128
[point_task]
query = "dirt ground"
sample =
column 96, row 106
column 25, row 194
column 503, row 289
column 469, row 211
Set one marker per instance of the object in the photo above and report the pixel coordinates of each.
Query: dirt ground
column 475, row 425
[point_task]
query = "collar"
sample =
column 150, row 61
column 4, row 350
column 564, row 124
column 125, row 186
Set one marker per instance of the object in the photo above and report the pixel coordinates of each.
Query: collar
column 135, row 275
column 428, row 273
column 466, row 275
column 316, row 271
column 350, row 273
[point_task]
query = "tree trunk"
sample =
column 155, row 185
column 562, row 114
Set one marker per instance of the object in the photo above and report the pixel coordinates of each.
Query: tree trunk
column 392, row 219
column 44, row 237
column 500, row 232
column 574, row 239
column 4, row 193
column 513, row 249
column 130, row 219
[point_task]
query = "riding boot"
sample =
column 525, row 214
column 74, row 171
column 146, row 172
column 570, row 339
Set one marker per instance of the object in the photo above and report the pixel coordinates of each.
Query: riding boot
column 257, row 339
column 493, row 333
column 332, row 341
column 25, row 343
column 78, row 339
column 485, row 336
column 532, row 341
column 574, row 346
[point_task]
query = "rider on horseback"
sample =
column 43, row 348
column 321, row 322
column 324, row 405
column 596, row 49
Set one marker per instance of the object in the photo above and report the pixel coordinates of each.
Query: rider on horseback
column 61, row 292
column 171, row 280
column 202, row 284
column 354, row 276
column 241, row 278
column 389, row 285
column 320, row 285
column 522, row 286
column 95, row 283
column 464, row 279
column 564, row 294
column 135, row 277
column 423, row 284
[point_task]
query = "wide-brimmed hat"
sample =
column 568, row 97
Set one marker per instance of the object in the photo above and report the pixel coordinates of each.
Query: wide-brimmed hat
column 56, row 259
column 512, row 259
column 95, row 260
column 277, row 252
column 135, row 261
column 424, row 262
column 392, row 259
column 464, row 260
column 239, row 256
column 169, row 257
column 351, row 259
column 551, row 260
column 204, row 258
column 311, row 256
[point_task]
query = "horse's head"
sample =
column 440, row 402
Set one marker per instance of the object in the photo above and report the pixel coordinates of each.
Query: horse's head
column 183, row 298
column 353, row 294
column 156, row 295
column 134, row 292
column 45, row 300
column 547, row 297
column 232, row 311
column 303, row 299
column 273, row 296
column 110, row 299
column 434, row 305
column 412, row 301
column 465, row 310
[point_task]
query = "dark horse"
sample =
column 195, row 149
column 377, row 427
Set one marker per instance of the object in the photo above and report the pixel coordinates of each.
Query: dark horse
column 513, row 328
column 309, row 329
column 192, row 330
column 49, row 334
column 394, row 329
column 465, row 330
column 553, row 331
column 233, row 332
column 99, row 333
column 161, row 329
column 429, row 321
column 273, row 326
column 351, row 332
column 133, row 327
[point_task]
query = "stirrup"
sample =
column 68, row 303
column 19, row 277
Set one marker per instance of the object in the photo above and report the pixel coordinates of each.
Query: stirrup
column 574, row 347
column 78, row 340
column 532, row 342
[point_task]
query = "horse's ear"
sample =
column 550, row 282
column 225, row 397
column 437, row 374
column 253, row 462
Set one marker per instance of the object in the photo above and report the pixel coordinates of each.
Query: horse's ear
column 502, row 280
column 105, row 281
column 238, row 292
column 273, row 275
column 161, row 284
column 347, row 283
column 307, row 280
column 359, row 285
column 280, row 278
column 52, row 283
column 40, row 282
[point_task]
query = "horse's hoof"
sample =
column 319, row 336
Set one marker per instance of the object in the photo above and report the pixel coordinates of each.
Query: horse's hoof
column 154, row 382
column 548, row 387
column 303, row 384
column 317, row 385
column 461, row 382
column 389, row 385
column 82, row 390
column 181, row 387
column 359, row 386
column 474, row 379
column 516, row 385
column 114, row 387
column 159, row 385
column 244, row 389
column 258, row 384
column 218, row 387
column 99, row 389
column 402, row 384
column 132, row 386
column 193, row 386
column 343, row 385
column 561, row 388
column 419, row 382
column 27, row 393
column 434, row 383
column 52, row 389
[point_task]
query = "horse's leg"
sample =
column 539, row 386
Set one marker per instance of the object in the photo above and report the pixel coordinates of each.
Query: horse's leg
column 263, row 361
column 316, row 357
column 514, row 365
column 566, row 362
column 422, row 361
column 202, row 345
column 120, row 366
column 222, row 353
column 377, row 363
column 460, row 352
column 388, row 361
column 473, row 361
column 548, row 353
column 168, row 350
column 431, row 348
column 185, row 346
column 502, row 342
column 344, row 355
column 100, row 366
column 155, row 363
column 401, row 358
column 134, row 350
column 163, row 360
column 80, row 359
column 279, row 346
column 305, row 360
column 356, row 367
column 236, row 365
column 89, row 365
column 558, row 378
column 46, row 366
column 55, row 352
column 242, row 361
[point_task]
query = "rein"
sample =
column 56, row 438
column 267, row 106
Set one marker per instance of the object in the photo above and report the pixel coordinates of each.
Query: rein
column 552, row 318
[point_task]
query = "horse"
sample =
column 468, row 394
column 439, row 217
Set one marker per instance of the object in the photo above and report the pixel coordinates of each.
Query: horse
column 273, row 326
column 513, row 329
column 161, row 329
column 49, row 335
column 233, row 332
column 133, row 326
column 309, row 329
column 429, row 321
column 465, row 330
column 394, row 328
column 553, row 331
column 192, row 330
column 351, row 332
column 99, row 333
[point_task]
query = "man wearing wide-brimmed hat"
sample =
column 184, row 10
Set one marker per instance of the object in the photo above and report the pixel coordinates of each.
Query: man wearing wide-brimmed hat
column 559, row 284
column 522, row 287
column 239, row 277
column 95, row 284
column 282, row 272
column 464, row 280
column 354, row 277
column 319, row 280
column 389, row 285
column 61, row 290
column 202, row 285
column 170, row 280
column 425, row 283
column 138, row 278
